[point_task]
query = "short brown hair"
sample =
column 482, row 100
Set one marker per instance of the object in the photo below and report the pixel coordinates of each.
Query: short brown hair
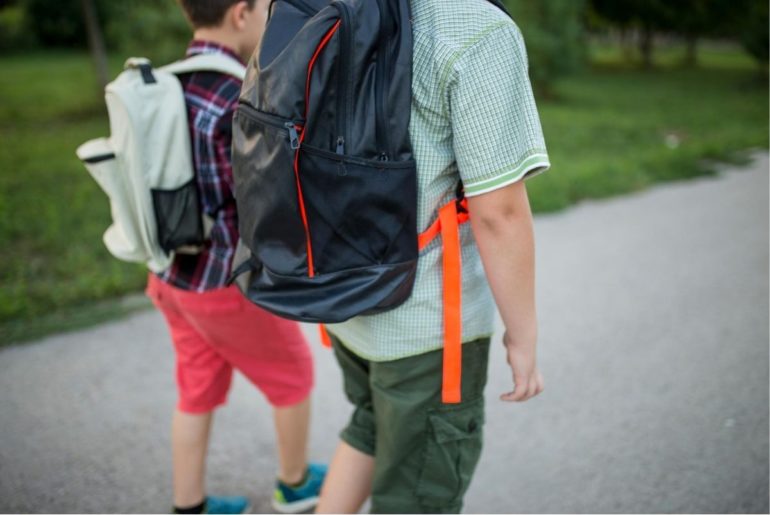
column 208, row 13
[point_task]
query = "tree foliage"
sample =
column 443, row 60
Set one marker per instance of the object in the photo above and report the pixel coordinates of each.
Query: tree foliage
column 155, row 28
column 644, row 16
column 745, row 20
column 61, row 23
column 14, row 31
column 755, row 35
column 553, row 31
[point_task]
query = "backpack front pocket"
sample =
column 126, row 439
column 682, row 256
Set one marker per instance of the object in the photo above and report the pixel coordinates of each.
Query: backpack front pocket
column 360, row 211
column 271, row 223
column 123, row 238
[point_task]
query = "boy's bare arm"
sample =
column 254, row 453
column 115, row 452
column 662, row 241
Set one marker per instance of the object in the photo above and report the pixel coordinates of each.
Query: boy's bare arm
column 502, row 225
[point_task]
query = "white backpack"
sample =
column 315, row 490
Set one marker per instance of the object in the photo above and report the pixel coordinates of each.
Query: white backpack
column 145, row 167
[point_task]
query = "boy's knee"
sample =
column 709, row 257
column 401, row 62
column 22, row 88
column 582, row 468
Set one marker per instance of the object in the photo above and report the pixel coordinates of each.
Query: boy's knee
column 360, row 433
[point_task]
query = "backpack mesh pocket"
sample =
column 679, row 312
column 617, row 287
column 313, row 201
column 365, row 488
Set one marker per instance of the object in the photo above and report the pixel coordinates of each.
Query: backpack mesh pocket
column 178, row 215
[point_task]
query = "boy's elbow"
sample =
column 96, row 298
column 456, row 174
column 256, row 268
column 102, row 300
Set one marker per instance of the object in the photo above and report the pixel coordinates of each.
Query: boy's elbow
column 495, row 223
column 497, row 214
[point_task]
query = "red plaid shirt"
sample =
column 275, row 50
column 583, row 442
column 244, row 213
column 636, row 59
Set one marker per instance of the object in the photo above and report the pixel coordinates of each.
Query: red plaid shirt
column 211, row 102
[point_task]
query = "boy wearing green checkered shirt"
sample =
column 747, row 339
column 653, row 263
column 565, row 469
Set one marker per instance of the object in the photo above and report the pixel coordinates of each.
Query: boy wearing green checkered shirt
column 473, row 119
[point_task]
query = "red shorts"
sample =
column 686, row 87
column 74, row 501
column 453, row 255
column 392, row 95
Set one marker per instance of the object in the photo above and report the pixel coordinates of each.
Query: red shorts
column 219, row 330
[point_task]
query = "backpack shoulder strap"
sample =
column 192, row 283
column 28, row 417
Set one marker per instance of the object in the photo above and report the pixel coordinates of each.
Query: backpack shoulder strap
column 499, row 4
column 207, row 62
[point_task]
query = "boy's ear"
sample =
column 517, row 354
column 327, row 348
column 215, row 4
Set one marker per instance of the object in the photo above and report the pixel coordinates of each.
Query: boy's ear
column 237, row 14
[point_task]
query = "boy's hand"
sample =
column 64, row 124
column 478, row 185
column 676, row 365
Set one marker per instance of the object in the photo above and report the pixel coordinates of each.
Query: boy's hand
column 527, row 379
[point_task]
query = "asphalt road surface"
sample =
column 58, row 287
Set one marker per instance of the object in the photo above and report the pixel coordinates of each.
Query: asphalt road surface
column 654, row 345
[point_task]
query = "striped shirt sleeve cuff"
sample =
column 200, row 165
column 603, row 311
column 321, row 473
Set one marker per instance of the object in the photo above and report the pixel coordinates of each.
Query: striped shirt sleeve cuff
column 529, row 167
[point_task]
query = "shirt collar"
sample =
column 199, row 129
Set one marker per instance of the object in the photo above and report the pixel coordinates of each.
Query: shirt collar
column 197, row 47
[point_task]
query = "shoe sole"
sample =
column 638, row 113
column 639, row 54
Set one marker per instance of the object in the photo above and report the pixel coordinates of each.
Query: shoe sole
column 294, row 507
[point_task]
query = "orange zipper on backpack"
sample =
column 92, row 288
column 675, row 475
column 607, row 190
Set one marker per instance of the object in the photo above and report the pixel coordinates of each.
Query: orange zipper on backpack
column 303, row 212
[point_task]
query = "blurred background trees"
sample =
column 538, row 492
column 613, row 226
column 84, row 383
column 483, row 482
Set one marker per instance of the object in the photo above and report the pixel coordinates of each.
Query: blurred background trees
column 554, row 34
column 556, row 31
column 630, row 92
column 687, row 20
column 754, row 35
column 153, row 28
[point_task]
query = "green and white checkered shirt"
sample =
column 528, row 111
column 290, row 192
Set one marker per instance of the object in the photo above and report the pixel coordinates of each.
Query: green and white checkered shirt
column 473, row 118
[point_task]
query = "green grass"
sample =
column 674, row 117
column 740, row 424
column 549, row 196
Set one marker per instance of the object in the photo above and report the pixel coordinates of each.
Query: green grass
column 606, row 131
column 52, row 214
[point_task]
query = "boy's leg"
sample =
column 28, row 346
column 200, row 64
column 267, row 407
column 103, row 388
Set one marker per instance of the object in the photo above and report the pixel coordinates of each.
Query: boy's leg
column 203, row 380
column 417, row 454
column 426, row 451
column 273, row 355
column 189, row 444
column 349, row 481
column 291, row 429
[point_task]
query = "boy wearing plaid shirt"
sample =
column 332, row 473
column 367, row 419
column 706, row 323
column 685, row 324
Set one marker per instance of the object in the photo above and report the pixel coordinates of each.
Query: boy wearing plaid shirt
column 214, row 329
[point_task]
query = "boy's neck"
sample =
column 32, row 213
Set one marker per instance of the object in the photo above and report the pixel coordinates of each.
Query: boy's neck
column 219, row 36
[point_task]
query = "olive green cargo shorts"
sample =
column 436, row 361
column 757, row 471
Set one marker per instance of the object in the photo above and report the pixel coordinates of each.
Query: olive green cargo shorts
column 425, row 451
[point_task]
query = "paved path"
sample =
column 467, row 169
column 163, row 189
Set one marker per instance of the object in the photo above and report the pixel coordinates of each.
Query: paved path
column 654, row 345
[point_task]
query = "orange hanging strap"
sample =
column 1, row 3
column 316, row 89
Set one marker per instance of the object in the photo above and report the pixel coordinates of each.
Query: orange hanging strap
column 447, row 225
column 429, row 234
column 326, row 340
column 450, row 236
column 424, row 238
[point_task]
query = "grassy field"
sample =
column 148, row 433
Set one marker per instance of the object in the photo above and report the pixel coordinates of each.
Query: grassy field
column 610, row 130
column 52, row 214
column 618, row 128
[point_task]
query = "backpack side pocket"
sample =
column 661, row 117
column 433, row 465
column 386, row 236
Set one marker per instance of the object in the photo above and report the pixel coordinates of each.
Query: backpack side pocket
column 123, row 238
column 178, row 214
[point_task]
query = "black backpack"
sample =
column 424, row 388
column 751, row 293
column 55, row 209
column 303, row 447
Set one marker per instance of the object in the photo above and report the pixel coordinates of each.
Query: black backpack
column 325, row 179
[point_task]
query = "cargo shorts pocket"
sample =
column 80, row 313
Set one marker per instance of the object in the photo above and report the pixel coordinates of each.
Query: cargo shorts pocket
column 452, row 452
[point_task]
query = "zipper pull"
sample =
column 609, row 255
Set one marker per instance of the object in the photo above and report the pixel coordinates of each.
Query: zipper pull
column 293, row 136
column 341, row 146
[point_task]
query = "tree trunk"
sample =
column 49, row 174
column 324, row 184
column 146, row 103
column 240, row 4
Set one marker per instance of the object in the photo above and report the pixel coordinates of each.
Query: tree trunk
column 95, row 41
column 626, row 43
column 646, row 46
column 691, row 57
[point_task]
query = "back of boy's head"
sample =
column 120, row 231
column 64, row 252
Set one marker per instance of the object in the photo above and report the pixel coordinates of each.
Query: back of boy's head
column 208, row 13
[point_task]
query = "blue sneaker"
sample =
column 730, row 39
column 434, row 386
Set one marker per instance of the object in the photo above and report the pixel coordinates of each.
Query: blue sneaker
column 226, row 505
column 287, row 499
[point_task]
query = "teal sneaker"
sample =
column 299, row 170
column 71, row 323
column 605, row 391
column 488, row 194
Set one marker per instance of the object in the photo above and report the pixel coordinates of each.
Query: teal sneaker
column 287, row 499
column 226, row 505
